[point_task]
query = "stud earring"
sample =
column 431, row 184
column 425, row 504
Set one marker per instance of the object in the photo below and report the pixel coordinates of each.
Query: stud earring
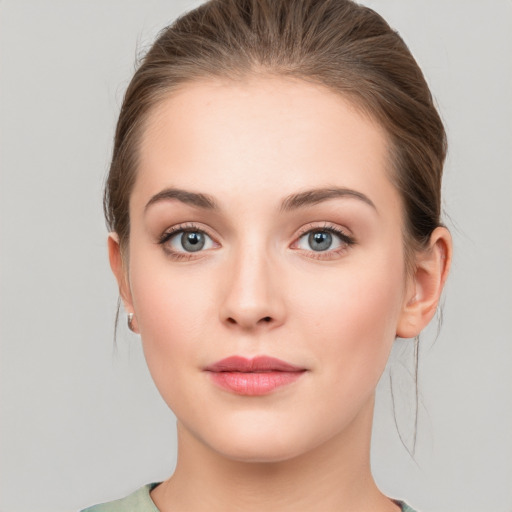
column 129, row 322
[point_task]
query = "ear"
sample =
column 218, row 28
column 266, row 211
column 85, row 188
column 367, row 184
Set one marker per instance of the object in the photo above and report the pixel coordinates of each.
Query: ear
column 120, row 272
column 426, row 284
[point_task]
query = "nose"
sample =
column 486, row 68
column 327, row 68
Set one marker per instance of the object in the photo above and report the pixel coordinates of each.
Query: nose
column 253, row 293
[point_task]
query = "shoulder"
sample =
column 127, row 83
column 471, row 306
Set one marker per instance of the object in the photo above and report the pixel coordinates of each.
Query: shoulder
column 404, row 506
column 139, row 501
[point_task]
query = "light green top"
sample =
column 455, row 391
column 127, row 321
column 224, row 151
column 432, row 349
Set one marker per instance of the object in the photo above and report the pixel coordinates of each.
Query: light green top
column 140, row 501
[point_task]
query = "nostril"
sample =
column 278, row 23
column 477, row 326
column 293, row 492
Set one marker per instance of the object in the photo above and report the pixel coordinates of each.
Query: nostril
column 233, row 321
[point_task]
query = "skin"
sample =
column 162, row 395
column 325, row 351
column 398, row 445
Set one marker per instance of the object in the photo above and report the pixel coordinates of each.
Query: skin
column 258, row 288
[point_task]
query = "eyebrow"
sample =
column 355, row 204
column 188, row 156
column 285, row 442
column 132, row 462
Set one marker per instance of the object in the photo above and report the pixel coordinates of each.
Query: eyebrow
column 315, row 196
column 192, row 198
column 290, row 203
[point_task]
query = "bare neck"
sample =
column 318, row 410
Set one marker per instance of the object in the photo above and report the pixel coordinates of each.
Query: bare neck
column 333, row 476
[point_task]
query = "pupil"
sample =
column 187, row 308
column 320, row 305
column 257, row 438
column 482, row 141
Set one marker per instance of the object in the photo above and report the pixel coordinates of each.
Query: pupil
column 192, row 242
column 320, row 240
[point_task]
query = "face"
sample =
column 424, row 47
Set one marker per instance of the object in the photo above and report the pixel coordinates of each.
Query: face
column 265, row 266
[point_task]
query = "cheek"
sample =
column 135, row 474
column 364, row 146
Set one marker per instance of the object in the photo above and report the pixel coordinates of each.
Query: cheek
column 172, row 313
column 353, row 316
column 159, row 301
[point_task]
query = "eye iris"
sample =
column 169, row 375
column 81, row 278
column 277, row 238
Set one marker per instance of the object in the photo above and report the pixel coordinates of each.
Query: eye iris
column 320, row 240
column 192, row 241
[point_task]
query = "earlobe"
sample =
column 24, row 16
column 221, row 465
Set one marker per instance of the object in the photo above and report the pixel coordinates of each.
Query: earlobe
column 426, row 286
column 120, row 272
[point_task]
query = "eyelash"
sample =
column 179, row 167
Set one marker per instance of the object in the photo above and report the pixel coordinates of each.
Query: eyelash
column 181, row 228
column 346, row 240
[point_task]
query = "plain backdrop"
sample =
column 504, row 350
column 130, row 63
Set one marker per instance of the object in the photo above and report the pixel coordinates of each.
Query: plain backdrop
column 83, row 423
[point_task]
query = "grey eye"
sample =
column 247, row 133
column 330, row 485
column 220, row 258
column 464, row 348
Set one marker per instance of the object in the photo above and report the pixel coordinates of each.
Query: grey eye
column 319, row 240
column 190, row 241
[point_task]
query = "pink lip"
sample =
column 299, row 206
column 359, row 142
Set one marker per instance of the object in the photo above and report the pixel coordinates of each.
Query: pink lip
column 258, row 376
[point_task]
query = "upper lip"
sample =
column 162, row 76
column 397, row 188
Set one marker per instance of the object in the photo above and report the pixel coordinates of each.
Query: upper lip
column 254, row 365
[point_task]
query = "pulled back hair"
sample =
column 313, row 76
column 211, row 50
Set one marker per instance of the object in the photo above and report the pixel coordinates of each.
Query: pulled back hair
column 346, row 47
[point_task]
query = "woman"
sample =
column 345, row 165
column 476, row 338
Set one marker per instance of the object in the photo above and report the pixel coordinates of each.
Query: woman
column 274, row 206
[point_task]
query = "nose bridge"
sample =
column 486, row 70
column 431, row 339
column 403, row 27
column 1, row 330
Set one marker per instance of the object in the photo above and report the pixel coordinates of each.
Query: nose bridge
column 251, row 296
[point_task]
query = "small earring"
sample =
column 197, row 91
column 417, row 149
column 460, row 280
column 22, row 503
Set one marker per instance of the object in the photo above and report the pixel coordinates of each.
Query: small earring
column 129, row 322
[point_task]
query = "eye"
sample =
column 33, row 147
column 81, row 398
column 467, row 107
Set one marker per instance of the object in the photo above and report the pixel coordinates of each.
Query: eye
column 319, row 240
column 186, row 240
column 325, row 239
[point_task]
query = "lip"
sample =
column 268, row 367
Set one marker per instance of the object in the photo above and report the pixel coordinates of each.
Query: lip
column 253, row 377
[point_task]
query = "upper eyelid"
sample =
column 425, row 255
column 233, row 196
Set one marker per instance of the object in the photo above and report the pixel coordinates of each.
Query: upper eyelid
column 183, row 228
column 327, row 226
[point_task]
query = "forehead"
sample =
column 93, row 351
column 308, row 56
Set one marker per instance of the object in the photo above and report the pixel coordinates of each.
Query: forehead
column 265, row 136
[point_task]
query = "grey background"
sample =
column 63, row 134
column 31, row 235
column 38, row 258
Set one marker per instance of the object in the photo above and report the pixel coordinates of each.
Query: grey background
column 82, row 423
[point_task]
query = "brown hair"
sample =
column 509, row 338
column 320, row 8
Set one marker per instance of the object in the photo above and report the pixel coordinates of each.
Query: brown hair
column 344, row 46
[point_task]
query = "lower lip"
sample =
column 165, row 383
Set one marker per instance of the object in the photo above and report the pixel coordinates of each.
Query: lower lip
column 254, row 383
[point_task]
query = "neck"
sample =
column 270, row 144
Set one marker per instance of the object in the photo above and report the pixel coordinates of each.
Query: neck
column 333, row 476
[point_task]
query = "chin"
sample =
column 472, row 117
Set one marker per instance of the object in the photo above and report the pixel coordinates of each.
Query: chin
column 258, row 452
column 261, row 444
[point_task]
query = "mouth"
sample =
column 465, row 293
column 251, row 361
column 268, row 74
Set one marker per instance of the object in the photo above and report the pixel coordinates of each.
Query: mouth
column 253, row 377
